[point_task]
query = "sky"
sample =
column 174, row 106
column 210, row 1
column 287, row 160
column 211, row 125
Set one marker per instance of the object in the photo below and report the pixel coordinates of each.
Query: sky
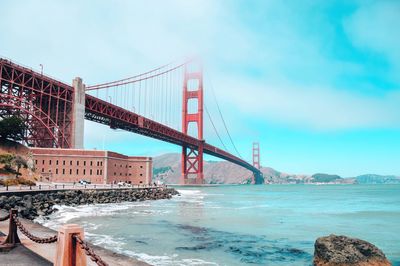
column 317, row 83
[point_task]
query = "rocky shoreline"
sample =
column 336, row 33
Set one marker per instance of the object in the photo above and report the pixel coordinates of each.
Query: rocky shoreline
column 31, row 206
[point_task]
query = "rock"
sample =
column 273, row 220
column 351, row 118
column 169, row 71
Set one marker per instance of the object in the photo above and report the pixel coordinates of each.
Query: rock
column 345, row 251
column 32, row 205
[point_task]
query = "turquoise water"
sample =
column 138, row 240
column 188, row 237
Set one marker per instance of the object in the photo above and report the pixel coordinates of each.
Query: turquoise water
column 243, row 225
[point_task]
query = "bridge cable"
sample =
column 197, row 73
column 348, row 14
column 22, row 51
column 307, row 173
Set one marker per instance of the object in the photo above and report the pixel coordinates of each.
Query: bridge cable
column 223, row 120
column 215, row 129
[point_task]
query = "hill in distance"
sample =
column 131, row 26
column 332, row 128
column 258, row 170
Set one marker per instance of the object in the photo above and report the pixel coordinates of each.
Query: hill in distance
column 167, row 169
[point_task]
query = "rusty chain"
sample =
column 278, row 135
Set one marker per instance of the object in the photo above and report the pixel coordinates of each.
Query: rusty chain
column 36, row 239
column 89, row 252
column 5, row 218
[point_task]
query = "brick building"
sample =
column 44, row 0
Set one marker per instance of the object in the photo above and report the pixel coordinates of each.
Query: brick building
column 98, row 167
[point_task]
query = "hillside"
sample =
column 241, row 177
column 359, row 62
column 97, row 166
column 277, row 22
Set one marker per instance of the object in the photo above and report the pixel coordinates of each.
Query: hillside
column 378, row 179
column 167, row 169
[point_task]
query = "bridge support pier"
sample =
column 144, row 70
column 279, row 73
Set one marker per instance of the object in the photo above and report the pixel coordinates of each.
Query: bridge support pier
column 78, row 114
column 192, row 166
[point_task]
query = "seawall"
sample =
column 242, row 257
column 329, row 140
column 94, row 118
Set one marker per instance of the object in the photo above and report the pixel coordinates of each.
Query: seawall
column 31, row 204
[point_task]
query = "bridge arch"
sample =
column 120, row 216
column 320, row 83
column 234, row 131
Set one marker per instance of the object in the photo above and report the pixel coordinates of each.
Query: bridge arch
column 42, row 131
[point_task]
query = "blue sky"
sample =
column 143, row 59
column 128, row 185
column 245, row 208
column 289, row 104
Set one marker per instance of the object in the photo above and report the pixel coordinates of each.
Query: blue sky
column 316, row 82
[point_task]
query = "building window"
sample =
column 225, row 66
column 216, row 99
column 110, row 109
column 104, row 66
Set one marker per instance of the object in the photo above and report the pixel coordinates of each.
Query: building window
column 84, row 171
column 130, row 174
column 115, row 165
column 49, row 162
column 42, row 170
column 90, row 171
column 77, row 171
column 126, row 166
column 120, row 165
column 77, row 163
column 70, row 162
column 57, row 171
column 141, row 166
column 35, row 161
column 70, row 171
column 84, row 163
column 56, row 162
column 43, row 162
column 141, row 174
column 63, row 162
column 63, row 171
column 130, row 166
column 101, row 172
column 91, row 163
column 120, row 173
column 115, row 173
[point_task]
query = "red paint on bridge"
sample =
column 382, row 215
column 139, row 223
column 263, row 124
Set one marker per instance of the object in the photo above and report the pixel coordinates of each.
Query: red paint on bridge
column 46, row 104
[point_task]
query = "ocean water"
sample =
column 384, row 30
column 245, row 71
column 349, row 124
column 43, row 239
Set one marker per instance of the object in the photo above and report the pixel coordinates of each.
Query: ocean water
column 242, row 225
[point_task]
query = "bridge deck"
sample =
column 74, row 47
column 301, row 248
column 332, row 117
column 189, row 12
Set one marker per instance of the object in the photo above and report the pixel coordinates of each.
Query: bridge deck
column 106, row 113
column 15, row 78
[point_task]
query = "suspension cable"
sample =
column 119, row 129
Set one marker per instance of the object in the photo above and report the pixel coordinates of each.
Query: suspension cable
column 136, row 78
column 215, row 129
column 223, row 120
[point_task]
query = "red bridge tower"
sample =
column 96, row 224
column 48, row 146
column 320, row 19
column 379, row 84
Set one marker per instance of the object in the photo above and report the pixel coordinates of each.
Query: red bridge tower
column 192, row 157
column 256, row 155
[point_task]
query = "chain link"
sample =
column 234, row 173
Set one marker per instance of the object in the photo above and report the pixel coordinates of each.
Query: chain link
column 5, row 218
column 89, row 252
column 36, row 239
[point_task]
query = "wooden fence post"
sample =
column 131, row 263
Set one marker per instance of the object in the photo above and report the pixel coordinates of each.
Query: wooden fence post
column 69, row 253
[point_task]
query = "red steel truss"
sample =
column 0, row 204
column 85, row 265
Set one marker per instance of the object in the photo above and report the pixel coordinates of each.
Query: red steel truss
column 46, row 105
column 43, row 103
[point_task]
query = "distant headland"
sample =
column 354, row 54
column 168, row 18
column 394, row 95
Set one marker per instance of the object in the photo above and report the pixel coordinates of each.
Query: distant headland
column 166, row 169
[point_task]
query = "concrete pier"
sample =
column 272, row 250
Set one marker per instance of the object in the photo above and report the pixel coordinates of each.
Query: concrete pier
column 78, row 113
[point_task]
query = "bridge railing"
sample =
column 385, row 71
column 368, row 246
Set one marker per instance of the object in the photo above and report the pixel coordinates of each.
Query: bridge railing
column 33, row 70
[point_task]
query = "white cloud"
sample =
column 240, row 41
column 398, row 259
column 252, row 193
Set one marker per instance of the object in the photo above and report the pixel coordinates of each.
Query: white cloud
column 375, row 26
column 101, row 41
column 317, row 108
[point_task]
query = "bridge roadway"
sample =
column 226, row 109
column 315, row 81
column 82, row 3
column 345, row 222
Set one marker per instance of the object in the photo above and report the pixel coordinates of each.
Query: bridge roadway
column 19, row 80
column 116, row 117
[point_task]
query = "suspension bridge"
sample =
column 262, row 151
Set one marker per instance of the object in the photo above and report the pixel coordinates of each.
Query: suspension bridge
column 166, row 103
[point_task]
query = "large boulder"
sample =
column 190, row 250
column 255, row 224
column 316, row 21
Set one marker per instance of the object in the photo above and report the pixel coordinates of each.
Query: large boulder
column 343, row 251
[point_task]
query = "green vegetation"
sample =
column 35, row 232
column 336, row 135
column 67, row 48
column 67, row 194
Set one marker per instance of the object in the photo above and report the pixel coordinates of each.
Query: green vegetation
column 12, row 164
column 161, row 170
column 325, row 178
column 12, row 128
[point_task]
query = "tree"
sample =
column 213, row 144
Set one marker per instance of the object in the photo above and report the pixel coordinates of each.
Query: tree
column 12, row 128
column 19, row 162
column 6, row 158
